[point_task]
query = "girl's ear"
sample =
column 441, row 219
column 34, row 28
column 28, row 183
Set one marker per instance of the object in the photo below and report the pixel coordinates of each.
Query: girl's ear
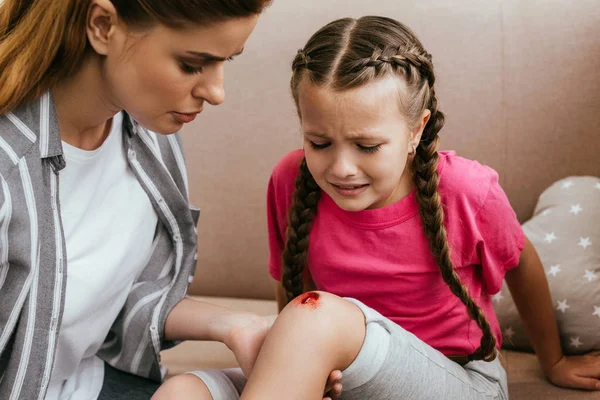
column 101, row 22
column 417, row 131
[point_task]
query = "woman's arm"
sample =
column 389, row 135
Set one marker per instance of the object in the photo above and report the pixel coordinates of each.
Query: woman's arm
column 531, row 294
column 243, row 332
column 196, row 320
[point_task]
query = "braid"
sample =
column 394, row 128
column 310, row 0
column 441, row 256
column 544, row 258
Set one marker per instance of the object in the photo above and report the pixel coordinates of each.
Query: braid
column 432, row 215
column 301, row 215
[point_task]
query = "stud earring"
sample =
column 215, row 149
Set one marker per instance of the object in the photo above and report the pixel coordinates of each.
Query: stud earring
column 413, row 149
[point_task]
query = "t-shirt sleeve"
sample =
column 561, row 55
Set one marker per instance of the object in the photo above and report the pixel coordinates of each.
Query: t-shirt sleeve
column 279, row 199
column 501, row 237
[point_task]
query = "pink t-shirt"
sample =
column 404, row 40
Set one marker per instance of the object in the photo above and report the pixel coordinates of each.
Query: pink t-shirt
column 382, row 258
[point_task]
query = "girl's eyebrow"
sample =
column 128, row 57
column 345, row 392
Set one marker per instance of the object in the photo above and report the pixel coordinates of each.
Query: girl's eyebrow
column 321, row 135
column 212, row 57
column 358, row 136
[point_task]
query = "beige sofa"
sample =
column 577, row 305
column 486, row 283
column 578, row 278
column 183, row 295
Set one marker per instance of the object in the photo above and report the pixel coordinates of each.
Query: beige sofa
column 518, row 81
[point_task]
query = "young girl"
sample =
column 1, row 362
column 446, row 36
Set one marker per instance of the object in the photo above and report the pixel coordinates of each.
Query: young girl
column 413, row 241
column 97, row 238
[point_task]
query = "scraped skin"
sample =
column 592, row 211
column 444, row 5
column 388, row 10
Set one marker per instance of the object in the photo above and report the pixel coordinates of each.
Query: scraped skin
column 308, row 300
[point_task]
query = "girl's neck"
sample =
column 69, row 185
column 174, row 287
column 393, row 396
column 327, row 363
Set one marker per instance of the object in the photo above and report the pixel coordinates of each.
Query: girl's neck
column 84, row 106
column 404, row 188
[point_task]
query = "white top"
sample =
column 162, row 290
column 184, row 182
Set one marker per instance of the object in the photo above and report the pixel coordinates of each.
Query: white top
column 109, row 224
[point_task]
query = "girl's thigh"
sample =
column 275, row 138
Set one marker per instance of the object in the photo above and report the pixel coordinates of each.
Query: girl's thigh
column 393, row 363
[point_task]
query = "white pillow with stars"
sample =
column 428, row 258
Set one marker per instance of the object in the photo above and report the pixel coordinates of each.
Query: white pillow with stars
column 565, row 230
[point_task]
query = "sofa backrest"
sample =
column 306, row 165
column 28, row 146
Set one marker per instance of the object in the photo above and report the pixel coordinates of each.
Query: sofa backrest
column 519, row 83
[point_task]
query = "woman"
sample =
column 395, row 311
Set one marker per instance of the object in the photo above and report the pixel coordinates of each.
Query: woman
column 97, row 239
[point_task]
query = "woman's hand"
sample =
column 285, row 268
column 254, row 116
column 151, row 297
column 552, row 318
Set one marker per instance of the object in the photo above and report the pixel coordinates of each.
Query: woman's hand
column 580, row 372
column 247, row 337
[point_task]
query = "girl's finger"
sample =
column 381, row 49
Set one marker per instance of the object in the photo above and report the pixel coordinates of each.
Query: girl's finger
column 336, row 392
column 586, row 383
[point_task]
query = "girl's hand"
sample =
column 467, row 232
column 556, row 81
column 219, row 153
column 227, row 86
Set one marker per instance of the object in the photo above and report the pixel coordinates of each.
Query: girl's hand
column 580, row 372
column 333, row 388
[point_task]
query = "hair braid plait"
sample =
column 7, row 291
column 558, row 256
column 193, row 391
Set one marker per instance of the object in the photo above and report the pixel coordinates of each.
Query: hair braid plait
column 432, row 216
column 301, row 215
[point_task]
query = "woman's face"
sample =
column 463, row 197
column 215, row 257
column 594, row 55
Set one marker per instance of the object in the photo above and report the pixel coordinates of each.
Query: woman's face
column 163, row 76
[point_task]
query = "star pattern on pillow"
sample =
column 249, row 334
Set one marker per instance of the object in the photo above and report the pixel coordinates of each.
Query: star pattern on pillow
column 554, row 270
column 563, row 306
column 575, row 209
column 584, row 242
column 550, row 237
column 567, row 185
column 565, row 238
column 575, row 342
column 589, row 275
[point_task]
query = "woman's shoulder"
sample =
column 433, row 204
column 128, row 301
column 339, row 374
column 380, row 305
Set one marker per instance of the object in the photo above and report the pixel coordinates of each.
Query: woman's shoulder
column 20, row 136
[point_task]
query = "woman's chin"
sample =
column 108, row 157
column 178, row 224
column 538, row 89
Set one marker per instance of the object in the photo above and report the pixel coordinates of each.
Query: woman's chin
column 162, row 127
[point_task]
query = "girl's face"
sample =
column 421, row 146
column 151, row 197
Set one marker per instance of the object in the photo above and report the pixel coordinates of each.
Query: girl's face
column 163, row 76
column 357, row 143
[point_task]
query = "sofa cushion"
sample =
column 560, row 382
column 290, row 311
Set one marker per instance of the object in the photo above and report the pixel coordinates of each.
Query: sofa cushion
column 565, row 230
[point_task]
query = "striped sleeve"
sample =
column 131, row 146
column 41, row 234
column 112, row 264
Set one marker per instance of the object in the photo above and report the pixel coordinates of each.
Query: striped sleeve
column 5, row 217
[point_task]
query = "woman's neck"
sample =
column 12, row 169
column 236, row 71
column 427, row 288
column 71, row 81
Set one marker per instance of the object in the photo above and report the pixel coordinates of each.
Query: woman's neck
column 84, row 106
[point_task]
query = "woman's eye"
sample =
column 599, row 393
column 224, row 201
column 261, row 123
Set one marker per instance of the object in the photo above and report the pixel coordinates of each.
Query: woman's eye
column 369, row 149
column 188, row 69
column 318, row 146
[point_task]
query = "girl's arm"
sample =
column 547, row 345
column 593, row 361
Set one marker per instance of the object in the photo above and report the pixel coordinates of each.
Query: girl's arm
column 531, row 294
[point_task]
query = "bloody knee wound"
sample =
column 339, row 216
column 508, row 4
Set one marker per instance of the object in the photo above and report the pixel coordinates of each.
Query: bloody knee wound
column 310, row 299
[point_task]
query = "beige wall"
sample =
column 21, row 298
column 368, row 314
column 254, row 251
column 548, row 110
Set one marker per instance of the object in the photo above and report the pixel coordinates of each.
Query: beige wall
column 518, row 81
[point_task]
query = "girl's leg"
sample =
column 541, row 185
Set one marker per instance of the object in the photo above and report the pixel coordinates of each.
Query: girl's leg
column 386, row 363
column 212, row 384
column 314, row 335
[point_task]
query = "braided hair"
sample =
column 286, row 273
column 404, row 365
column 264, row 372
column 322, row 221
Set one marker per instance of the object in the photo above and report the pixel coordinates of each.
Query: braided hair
column 349, row 53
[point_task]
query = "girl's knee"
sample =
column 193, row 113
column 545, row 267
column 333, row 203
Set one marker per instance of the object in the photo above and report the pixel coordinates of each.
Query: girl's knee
column 183, row 387
column 335, row 323
column 322, row 303
column 327, row 311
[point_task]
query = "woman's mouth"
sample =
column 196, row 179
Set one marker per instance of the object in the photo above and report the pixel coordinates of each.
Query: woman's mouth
column 184, row 118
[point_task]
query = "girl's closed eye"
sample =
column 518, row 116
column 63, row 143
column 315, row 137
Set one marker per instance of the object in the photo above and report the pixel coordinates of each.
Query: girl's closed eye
column 318, row 146
column 369, row 149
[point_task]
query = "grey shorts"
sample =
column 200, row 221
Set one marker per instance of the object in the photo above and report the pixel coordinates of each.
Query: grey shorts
column 393, row 364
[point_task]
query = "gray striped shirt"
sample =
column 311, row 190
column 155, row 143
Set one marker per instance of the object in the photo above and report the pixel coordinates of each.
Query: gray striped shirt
column 33, row 258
